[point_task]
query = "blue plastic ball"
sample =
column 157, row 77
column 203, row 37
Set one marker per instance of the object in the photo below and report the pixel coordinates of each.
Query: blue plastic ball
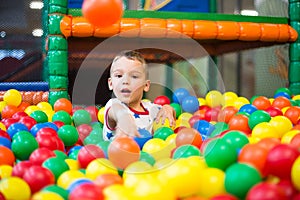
column 36, row 128
column 190, row 104
column 144, row 137
column 282, row 94
column 248, row 108
column 179, row 94
column 5, row 142
column 204, row 127
column 16, row 127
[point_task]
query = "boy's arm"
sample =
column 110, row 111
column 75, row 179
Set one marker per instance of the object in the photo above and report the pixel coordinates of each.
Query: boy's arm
column 118, row 118
column 166, row 112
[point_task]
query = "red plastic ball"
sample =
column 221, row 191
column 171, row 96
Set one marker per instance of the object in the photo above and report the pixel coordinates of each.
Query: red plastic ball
column 93, row 110
column 293, row 113
column 38, row 177
column 38, row 156
column 227, row 113
column 20, row 168
column 86, row 191
column 281, row 102
column 280, row 160
column 4, row 134
column 266, row 191
column 88, row 153
column 8, row 111
column 18, row 115
column 123, row 151
column 84, row 131
column 188, row 136
column 162, row 100
column 8, row 122
column 105, row 180
column 288, row 188
column 28, row 121
column 102, row 13
column 268, row 143
column 274, row 111
column 295, row 141
column 261, row 103
column 212, row 114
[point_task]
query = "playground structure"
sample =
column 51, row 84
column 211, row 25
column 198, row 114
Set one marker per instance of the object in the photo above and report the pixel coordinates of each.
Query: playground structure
column 69, row 37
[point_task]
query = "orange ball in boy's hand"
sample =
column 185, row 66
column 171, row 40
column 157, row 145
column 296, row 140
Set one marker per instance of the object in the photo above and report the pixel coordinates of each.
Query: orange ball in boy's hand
column 102, row 13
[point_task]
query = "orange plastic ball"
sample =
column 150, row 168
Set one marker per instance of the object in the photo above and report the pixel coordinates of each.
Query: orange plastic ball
column 7, row 157
column 102, row 13
column 261, row 103
column 281, row 102
column 8, row 111
column 293, row 113
column 123, row 151
column 188, row 136
column 226, row 113
column 239, row 122
column 268, row 143
column 63, row 104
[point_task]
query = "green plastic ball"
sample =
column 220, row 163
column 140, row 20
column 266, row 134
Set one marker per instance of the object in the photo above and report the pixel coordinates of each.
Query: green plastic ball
column 68, row 134
column 177, row 108
column 56, row 165
column 62, row 116
column 257, row 117
column 163, row 132
column 39, row 116
column 185, row 151
column 81, row 117
column 23, row 144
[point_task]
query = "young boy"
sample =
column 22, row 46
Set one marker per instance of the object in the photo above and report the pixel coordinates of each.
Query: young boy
column 127, row 113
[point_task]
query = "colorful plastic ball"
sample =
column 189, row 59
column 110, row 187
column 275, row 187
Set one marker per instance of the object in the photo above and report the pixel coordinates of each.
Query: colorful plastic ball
column 77, row 183
column 68, row 134
column 281, row 102
column 88, row 153
column 226, row 113
column 2, row 127
column 30, row 109
column 2, row 105
column 100, row 166
column 273, row 111
column 236, row 139
column 229, row 98
column 39, row 116
column 144, row 137
column 162, row 100
column 5, row 142
column 44, row 106
column 46, row 195
column 23, row 144
column 38, row 177
column 163, row 133
column 57, row 190
column 282, row 124
column 282, row 94
column 35, row 128
column 268, row 143
column 240, row 178
column 293, row 113
column 177, row 108
column 16, row 127
column 214, row 98
column 179, row 94
column 4, row 134
column 18, row 115
column 265, row 190
column 285, row 90
column 204, row 127
column 21, row 167
column 280, row 161
column 102, row 13
column 100, row 115
column 239, row 122
column 12, row 97
column 190, row 104
column 122, row 151
column 295, row 173
column 240, row 101
column 62, row 116
column 257, row 117
column 9, row 186
column 146, row 157
column 261, row 102
column 38, row 156
column 265, row 130
column 117, row 191
column 7, row 122
column 188, row 136
column 5, row 171
column 185, row 151
column 56, row 165
column 93, row 110
column 7, row 156
column 104, row 180
column 248, row 108
column 63, row 104
column 81, row 117
column 218, row 148
column 159, row 124
column 67, row 177
column 28, row 121
column 212, row 183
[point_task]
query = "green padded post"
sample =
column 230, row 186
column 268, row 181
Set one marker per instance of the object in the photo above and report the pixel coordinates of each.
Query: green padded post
column 294, row 49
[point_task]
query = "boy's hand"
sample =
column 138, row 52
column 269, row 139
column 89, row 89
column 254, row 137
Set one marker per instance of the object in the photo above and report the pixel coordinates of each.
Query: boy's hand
column 126, row 126
column 166, row 112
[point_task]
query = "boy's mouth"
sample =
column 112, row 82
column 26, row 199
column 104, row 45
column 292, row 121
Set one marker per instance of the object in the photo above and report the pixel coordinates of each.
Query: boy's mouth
column 125, row 91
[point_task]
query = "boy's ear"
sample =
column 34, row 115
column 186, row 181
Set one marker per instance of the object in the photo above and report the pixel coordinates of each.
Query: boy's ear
column 110, row 84
column 147, row 86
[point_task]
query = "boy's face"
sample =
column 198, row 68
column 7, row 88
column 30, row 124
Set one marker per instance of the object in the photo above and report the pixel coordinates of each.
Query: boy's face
column 128, row 80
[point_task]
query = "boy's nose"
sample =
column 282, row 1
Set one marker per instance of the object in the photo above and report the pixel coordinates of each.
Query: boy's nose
column 125, row 79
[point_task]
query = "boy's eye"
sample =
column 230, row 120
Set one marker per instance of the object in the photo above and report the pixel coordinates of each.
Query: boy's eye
column 118, row 75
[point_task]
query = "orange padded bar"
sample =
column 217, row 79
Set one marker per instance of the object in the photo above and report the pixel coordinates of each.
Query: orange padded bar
column 228, row 30
column 269, row 32
column 205, row 30
column 249, row 31
column 153, row 28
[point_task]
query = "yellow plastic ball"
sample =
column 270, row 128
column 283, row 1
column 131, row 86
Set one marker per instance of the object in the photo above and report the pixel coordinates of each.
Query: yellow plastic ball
column 30, row 109
column 296, row 97
column 5, row 171
column 2, row 105
column 44, row 106
column 295, row 173
column 282, row 124
column 15, row 188
column 12, row 97
column 229, row 98
column 265, row 130
column 212, row 182
column 100, row 115
column 117, row 192
column 253, row 140
column 185, row 116
column 240, row 101
column 271, row 100
column 73, row 164
column 163, row 163
column 288, row 136
column 2, row 126
column 283, row 110
column 181, row 123
column 100, row 166
column 46, row 195
column 159, row 124
column 68, row 177
column 202, row 101
column 171, row 139
column 214, row 98
column 158, row 148
column 49, row 114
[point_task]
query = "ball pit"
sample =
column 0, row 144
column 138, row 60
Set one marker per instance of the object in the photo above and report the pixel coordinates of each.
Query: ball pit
column 224, row 148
